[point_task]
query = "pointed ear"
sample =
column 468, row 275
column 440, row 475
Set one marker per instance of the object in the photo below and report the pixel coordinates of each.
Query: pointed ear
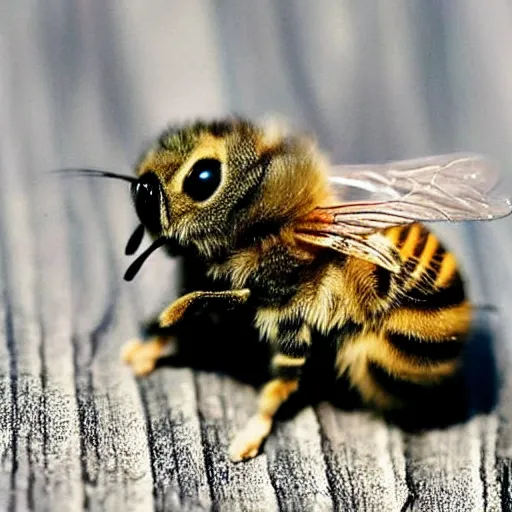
column 295, row 181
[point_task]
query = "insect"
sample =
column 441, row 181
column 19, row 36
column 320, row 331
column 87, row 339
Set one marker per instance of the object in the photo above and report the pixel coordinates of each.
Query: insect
column 273, row 221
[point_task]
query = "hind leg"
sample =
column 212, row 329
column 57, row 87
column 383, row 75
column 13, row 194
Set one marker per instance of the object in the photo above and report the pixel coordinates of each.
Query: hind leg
column 287, row 366
column 247, row 442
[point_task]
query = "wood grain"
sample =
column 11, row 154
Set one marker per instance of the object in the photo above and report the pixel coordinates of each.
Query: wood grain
column 87, row 84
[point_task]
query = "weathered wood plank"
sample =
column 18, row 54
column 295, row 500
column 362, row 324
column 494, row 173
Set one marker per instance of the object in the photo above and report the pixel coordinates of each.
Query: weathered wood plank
column 297, row 465
column 497, row 275
column 84, row 84
column 115, row 455
column 365, row 460
column 175, row 439
column 248, row 487
column 443, row 469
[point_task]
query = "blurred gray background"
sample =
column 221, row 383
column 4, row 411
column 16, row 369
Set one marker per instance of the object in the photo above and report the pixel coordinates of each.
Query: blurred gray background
column 89, row 83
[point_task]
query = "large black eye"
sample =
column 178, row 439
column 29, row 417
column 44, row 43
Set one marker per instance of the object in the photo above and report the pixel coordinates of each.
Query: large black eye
column 203, row 179
column 146, row 196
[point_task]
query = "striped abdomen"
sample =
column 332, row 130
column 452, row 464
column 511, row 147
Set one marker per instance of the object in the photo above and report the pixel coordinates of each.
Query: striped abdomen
column 423, row 317
column 429, row 278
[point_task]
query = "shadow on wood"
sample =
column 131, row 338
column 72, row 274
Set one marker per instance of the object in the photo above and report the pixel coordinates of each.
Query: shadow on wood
column 224, row 342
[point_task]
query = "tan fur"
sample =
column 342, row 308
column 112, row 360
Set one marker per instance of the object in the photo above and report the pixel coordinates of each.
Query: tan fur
column 304, row 334
column 370, row 391
column 432, row 325
column 392, row 234
column 282, row 360
column 426, row 256
column 374, row 347
column 410, row 243
column 175, row 312
column 285, row 179
column 323, row 304
column 239, row 267
column 142, row 356
column 448, row 269
column 358, row 276
column 272, row 136
column 274, row 393
column 247, row 442
column 267, row 323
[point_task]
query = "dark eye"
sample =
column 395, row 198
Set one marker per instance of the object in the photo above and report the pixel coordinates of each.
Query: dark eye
column 203, row 179
column 146, row 196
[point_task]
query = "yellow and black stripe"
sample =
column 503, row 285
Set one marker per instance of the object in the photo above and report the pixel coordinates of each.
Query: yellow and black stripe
column 429, row 278
column 417, row 340
column 293, row 348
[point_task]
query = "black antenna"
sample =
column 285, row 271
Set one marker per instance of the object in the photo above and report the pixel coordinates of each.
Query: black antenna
column 135, row 266
column 135, row 240
column 96, row 173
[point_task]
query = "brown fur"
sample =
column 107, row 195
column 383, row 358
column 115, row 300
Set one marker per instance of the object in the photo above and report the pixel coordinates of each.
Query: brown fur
column 176, row 311
column 246, row 233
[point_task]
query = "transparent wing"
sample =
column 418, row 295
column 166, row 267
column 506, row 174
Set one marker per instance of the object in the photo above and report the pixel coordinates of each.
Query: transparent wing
column 374, row 248
column 454, row 187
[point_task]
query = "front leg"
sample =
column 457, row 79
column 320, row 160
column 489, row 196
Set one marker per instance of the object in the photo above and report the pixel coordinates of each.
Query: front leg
column 196, row 300
column 142, row 356
column 287, row 363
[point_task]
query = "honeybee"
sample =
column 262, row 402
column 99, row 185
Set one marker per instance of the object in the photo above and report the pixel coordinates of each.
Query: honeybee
column 270, row 218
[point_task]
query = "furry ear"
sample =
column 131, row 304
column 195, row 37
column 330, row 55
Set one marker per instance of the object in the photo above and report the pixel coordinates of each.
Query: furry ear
column 295, row 182
column 274, row 130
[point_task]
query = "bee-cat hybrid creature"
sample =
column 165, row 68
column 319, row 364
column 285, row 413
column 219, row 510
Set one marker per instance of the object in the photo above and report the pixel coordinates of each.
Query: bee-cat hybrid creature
column 270, row 218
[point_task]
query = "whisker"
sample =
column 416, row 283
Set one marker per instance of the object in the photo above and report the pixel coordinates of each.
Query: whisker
column 137, row 264
column 134, row 240
column 96, row 173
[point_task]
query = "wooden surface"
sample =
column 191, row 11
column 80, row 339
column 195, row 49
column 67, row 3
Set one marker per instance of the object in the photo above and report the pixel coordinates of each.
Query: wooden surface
column 79, row 431
column 87, row 84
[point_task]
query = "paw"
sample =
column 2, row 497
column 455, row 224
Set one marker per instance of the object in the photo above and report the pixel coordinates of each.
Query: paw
column 140, row 356
column 247, row 442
